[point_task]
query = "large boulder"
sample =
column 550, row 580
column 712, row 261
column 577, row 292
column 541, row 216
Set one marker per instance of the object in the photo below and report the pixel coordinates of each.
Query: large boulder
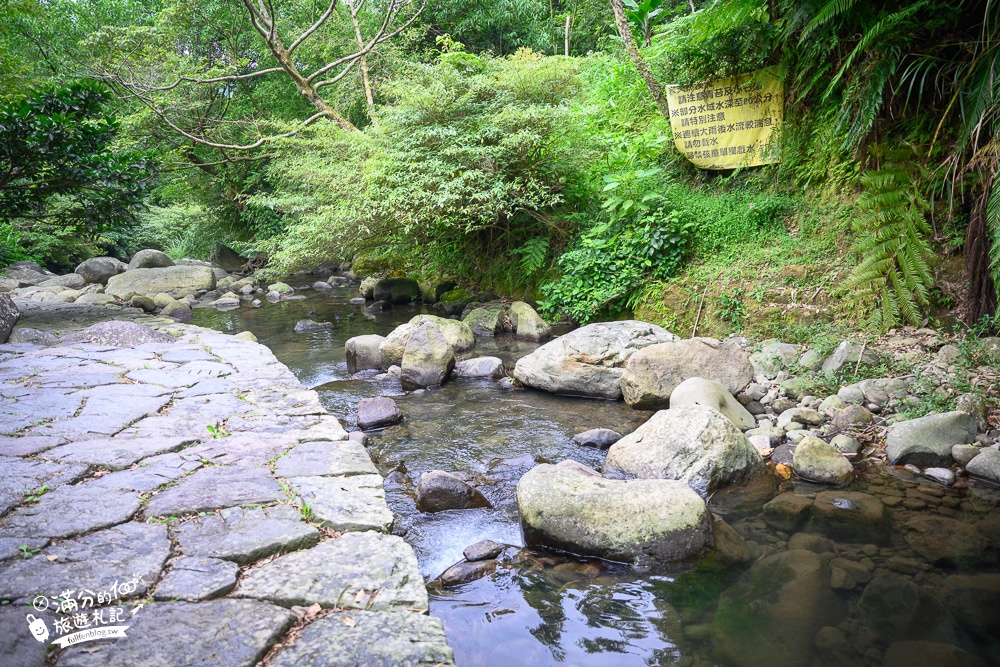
column 897, row 609
column 100, row 269
column 774, row 356
column 438, row 490
column 646, row 522
column 695, row 444
column 985, row 465
column 771, row 617
column 9, row 315
column 396, row 290
column 172, row 279
column 362, row 353
column 485, row 322
column 427, row 359
column 458, row 335
column 590, row 360
column 927, row 441
column 26, row 277
column 653, row 373
column 528, row 324
column 70, row 280
column 819, row 461
column 481, row 367
column 150, row 259
column 711, row 394
column 453, row 302
column 227, row 259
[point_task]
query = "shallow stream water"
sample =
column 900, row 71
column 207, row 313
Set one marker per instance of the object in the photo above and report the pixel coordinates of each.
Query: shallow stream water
column 541, row 608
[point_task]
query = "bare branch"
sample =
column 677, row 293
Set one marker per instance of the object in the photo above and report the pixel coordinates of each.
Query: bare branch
column 313, row 28
column 218, row 79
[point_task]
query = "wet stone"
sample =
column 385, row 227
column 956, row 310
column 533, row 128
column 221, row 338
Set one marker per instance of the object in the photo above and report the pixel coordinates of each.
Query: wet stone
column 245, row 535
column 464, row 572
column 193, row 578
column 377, row 413
column 482, row 550
column 787, row 511
column 71, row 510
column 332, row 574
column 345, row 503
column 221, row 633
column 851, row 516
column 213, row 488
column 116, row 453
column 98, row 559
column 384, row 639
column 325, row 458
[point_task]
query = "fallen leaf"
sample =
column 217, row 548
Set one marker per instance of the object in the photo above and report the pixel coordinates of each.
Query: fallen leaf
column 349, row 622
column 765, row 451
column 783, row 470
column 313, row 609
column 52, row 558
column 360, row 596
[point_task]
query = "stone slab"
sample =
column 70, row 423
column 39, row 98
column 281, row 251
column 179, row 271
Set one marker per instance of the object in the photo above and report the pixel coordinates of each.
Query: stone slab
column 194, row 578
column 116, row 453
column 151, row 474
column 220, row 633
column 18, row 648
column 372, row 639
column 71, row 510
column 18, row 476
column 214, row 488
column 334, row 574
column 245, row 535
column 183, row 376
column 93, row 561
column 344, row 457
column 28, row 445
column 345, row 503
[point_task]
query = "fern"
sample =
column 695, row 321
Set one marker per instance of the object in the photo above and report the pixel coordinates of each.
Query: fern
column 893, row 280
column 533, row 254
column 993, row 231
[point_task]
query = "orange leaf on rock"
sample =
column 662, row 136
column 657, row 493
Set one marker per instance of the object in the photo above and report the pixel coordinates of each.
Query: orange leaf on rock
column 784, row 471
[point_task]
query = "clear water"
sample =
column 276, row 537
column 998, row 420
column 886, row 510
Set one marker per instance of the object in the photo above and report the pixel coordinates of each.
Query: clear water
column 542, row 608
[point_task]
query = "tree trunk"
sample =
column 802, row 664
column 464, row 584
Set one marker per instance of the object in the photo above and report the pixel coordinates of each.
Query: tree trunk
column 569, row 20
column 369, row 96
column 982, row 291
column 637, row 60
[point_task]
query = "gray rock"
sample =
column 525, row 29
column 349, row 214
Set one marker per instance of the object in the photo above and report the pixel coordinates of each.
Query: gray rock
column 578, row 467
column 116, row 453
column 19, row 476
column 846, row 443
column 178, row 311
column 811, row 360
column 898, row 609
column 482, row 550
column 944, row 476
column 783, row 454
column 71, row 510
column 852, row 416
column 362, row 353
column 338, row 458
column 711, row 394
column 590, row 360
column 975, row 406
column 356, row 638
column 217, row 487
column 972, row 601
column 345, row 503
column 227, row 259
column 986, row 465
column 851, row 394
column 141, row 302
column 228, row 300
column 152, row 474
column 99, row 269
column 320, row 285
column 652, row 373
column 481, row 367
column 849, row 353
column 26, row 277
column 597, row 437
column 788, row 596
column 379, row 307
column 117, row 333
column 694, row 444
column 224, row 633
column 819, row 461
column 458, row 335
column 173, row 279
column 72, row 281
column 428, row 358
column 100, row 559
column 647, row 521
column 33, row 337
column 17, row 645
column 245, row 535
column 26, row 446
column 332, row 575
column 194, row 578
column 149, row 259
column 850, row 516
column 438, row 491
column 728, row 547
column 485, row 321
column 282, row 289
column 528, row 324
column 787, row 511
column 9, row 315
column 942, row 540
column 964, row 453
column 357, row 301
column 464, row 572
column 453, row 302
column 774, row 357
column 396, row 290
column 378, row 412
column 311, row 325
column 927, row 441
column 805, row 416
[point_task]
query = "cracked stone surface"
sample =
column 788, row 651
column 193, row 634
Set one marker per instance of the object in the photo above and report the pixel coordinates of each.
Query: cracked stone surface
column 96, row 560
column 193, row 578
column 222, row 633
column 18, row 476
column 28, row 445
column 71, row 510
column 115, row 453
column 383, row 639
column 17, row 646
column 345, row 503
column 151, row 474
column 326, row 458
column 216, row 487
column 332, row 574
column 245, row 535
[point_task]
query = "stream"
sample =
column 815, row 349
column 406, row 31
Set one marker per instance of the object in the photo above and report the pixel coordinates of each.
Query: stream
column 541, row 608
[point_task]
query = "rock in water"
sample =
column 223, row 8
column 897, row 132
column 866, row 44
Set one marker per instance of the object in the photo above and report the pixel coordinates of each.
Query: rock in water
column 646, row 522
column 927, row 441
column 458, row 335
column 227, row 259
column 819, row 461
column 597, row 437
column 711, row 394
column 694, row 444
column 771, row 617
column 985, row 465
column 527, row 323
column 9, row 315
column 149, row 259
column 484, row 321
column 850, row 516
column 482, row 550
column 396, row 291
column 590, row 360
column 100, row 269
column 438, row 490
column 481, row 367
column 378, row 413
column 653, row 372
column 175, row 279
column 311, row 325
column 362, row 353
column 453, row 302
column 428, row 358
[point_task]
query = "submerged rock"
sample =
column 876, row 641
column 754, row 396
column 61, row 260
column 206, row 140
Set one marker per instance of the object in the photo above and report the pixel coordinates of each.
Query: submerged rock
column 850, row 516
column 438, row 490
column 311, row 325
column 590, row 360
column 647, row 522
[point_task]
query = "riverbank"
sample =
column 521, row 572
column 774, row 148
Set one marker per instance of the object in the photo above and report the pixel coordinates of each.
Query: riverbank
column 184, row 484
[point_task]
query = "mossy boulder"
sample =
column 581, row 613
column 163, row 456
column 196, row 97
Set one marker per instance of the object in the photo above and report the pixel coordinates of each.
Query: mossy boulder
column 396, row 290
column 454, row 301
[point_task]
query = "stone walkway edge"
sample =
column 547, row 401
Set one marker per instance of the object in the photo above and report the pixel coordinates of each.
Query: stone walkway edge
column 171, row 495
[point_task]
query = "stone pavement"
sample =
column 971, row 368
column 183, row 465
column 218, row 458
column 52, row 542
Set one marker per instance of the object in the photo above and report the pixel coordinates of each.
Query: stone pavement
column 182, row 483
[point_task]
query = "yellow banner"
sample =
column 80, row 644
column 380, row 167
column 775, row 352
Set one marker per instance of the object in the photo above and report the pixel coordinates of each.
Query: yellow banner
column 729, row 123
